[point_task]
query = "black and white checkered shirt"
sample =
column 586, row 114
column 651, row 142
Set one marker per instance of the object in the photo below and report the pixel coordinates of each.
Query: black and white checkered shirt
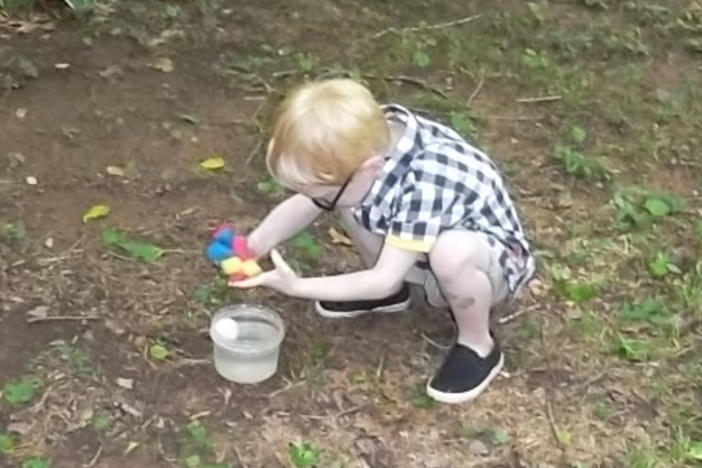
column 435, row 181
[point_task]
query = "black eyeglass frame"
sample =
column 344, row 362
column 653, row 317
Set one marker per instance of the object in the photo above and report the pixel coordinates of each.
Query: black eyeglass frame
column 326, row 205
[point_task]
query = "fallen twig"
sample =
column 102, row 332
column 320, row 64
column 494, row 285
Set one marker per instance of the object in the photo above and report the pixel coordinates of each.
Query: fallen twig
column 513, row 316
column 447, row 24
column 434, row 343
column 477, row 90
column 289, row 386
column 551, row 419
column 239, row 458
column 529, row 100
column 516, row 118
column 58, row 318
column 350, row 410
column 253, row 152
column 411, row 80
column 95, row 458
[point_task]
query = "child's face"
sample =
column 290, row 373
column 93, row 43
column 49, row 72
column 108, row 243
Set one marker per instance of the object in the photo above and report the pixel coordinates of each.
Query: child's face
column 348, row 194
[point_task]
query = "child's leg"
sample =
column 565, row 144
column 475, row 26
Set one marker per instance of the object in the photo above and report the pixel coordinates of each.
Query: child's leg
column 469, row 277
column 368, row 246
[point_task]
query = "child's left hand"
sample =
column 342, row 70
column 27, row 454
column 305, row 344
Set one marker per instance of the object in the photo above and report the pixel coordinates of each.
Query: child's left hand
column 282, row 278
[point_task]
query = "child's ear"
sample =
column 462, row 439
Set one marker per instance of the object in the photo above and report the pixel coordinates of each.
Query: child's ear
column 372, row 165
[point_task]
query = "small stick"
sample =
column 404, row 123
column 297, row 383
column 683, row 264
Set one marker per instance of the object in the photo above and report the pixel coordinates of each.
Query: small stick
column 95, row 458
column 58, row 318
column 477, row 90
column 513, row 316
column 426, row 28
column 416, row 82
column 379, row 370
column 434, row 343
column 351, row 410
column 286, row 388
column 253, row 152
column 239, row 458
column 516, row 118
column 539, row 99
column 551, row 419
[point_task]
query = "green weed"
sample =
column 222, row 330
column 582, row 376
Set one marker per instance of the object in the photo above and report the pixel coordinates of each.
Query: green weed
column 158, row 351
column 631, row 349
column 662, row 264
column 36, row 462
column 306, row 244
column 77, row 359
column 304, row 454
column 420, row 399
column 101, row 421
column 7, row 444
column 20, row 391
column 642, row 457
column 575, row 161
column 118, row 240
column 462, row 123
column 198, row 436
column 649, row 310
column 270, row 187
column 13, row 233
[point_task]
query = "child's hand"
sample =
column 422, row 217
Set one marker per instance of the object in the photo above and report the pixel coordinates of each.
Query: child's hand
column 282, row 278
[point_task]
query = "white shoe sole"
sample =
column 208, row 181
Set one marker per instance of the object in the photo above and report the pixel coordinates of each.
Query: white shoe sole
column 455, row 398
column 389, row 309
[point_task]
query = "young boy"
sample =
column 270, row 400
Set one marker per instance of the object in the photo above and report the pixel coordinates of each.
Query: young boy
column 420, row 204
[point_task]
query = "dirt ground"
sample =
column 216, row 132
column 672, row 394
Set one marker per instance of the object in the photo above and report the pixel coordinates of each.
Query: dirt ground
column 591, row 108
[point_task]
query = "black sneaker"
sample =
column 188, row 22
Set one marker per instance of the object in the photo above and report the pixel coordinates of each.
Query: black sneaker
column 395, row 303
column 464, row 375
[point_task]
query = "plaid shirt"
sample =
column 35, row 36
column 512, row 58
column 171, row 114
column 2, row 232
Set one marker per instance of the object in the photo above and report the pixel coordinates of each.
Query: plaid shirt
column 435, row 181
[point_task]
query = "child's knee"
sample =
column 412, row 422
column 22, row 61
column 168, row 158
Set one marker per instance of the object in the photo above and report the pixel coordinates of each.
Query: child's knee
column 455, row 252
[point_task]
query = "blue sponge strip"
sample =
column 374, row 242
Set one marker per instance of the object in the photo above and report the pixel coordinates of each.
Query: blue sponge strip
column 216, row 251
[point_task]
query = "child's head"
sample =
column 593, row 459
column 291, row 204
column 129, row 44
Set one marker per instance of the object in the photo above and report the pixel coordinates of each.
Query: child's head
column 324, row 131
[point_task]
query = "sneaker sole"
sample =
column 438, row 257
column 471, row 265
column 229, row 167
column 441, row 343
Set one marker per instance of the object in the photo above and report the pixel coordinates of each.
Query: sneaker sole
column 389, row 309
column 455, row 398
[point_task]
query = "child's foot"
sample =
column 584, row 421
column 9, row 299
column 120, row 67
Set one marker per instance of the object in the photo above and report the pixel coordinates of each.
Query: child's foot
column 394, row 303
column 464, row 374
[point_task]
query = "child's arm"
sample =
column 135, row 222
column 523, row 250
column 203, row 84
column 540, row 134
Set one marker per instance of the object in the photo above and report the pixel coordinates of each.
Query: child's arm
column 380, row 281
column 284, row 221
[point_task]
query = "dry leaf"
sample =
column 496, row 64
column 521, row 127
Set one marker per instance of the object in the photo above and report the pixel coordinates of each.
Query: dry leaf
column 62, row 66
column 111, row 71
column 114, row 327
column 19, row 428
column 339, row 238
column 115, row 171
column 21, row 113
column 125, row 383
column 130, row 448
column 49, row 242
column 39, row 312
column 164, row 64
column 213, row 163
column 96, row 211
column 31, row 180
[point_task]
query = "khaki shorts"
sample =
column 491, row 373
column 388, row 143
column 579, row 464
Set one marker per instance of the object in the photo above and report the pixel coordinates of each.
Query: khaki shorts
column 495, row 273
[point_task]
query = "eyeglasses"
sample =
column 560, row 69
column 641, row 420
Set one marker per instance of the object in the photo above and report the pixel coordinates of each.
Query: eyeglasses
column 326, row 205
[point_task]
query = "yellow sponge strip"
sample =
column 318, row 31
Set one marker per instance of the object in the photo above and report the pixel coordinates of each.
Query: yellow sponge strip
column 251, row 268
column 231, row 265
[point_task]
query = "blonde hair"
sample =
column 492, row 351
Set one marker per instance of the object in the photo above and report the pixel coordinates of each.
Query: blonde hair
column 323, row 132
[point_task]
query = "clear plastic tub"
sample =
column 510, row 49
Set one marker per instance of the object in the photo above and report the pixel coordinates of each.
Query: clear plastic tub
column 253, row 356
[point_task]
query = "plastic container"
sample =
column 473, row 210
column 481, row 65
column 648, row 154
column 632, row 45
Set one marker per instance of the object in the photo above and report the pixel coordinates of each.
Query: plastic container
column 253, row 356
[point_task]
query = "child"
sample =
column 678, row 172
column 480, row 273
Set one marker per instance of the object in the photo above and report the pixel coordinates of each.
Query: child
column 420, row 204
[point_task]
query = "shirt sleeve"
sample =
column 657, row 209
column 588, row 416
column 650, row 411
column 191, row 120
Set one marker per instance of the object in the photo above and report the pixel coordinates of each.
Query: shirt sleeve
column 418, row 212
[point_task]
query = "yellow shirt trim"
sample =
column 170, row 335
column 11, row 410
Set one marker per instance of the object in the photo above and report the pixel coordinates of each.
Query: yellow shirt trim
column 409, row 244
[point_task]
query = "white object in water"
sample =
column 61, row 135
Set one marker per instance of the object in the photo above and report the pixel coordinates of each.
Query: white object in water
column 227, row 328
